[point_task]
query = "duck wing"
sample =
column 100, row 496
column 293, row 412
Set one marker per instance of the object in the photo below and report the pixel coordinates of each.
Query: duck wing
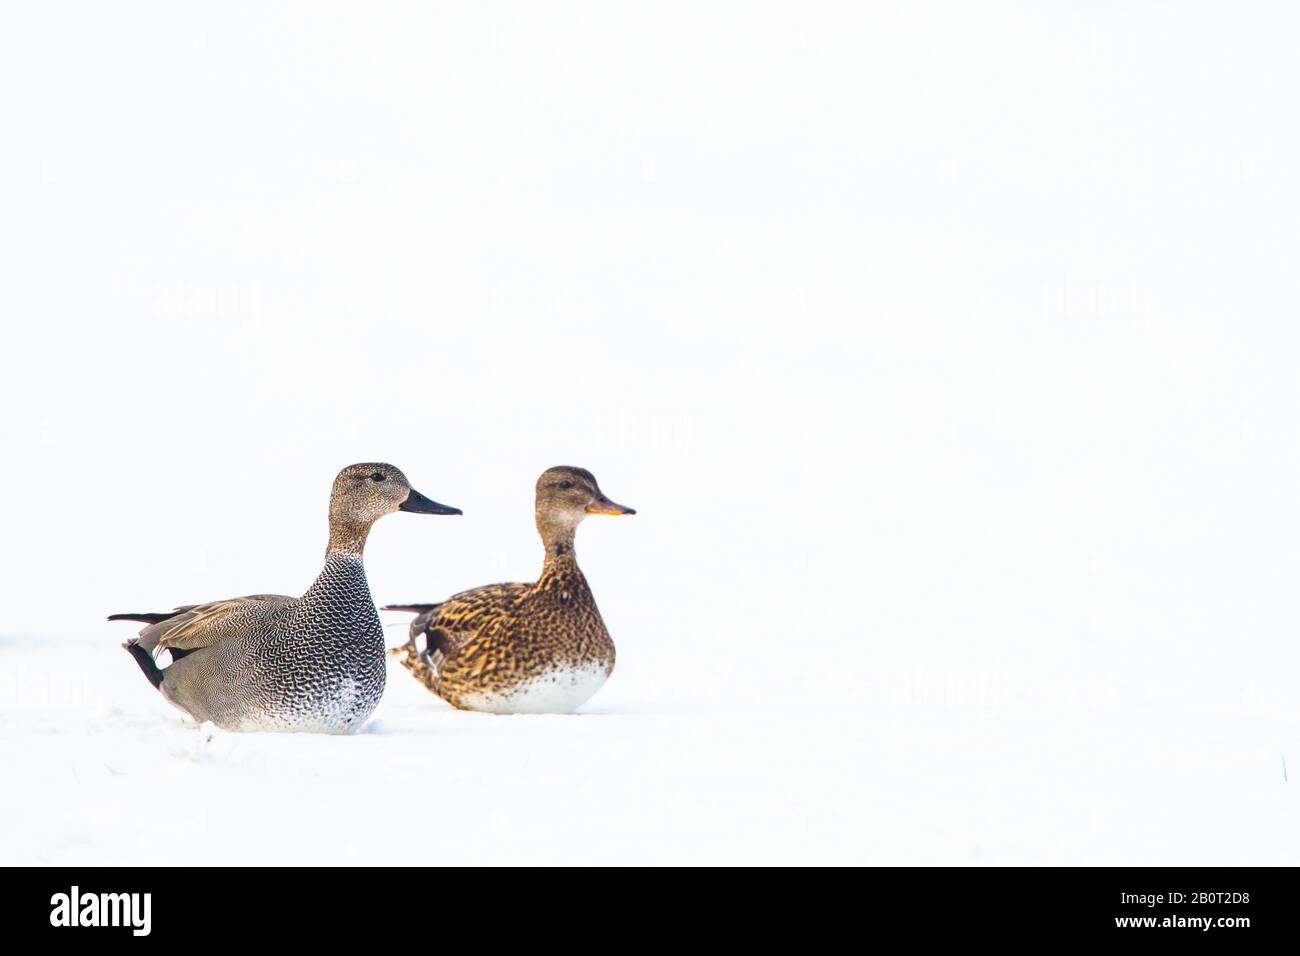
column 452, row 625
column 194, row 626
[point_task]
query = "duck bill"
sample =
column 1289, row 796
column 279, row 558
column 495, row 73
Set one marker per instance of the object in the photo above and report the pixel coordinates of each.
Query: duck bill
column 604, row 506
column 416, row 503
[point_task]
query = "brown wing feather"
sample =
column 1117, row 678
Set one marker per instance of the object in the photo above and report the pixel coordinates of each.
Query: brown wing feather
column 452, row 626
column 463, row 615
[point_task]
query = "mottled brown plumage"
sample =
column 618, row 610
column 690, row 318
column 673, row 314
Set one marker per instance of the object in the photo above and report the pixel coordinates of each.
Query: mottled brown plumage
column 522, row 648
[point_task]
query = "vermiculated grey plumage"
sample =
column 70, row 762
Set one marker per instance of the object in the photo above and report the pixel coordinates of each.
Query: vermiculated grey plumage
column 314, row 663
column 274, row 662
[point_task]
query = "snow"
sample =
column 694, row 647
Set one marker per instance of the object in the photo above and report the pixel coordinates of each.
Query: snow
column 947, row 355
column 932, row 768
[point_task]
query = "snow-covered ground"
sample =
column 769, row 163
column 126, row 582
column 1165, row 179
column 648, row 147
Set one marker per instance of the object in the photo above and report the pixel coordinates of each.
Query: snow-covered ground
column 941, row 768
column 947, row 352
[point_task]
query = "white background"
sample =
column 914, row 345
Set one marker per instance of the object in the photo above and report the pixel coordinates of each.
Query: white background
column 948, row 352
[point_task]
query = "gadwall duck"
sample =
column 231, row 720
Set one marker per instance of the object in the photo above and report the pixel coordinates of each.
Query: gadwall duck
column 522, row 648
column 273, row 662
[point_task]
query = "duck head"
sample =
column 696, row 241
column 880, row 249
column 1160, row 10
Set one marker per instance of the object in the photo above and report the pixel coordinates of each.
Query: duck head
column 364, row 493
column 566, row 496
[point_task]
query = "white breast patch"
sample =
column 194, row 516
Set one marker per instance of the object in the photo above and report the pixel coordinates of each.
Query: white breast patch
column 556, row 692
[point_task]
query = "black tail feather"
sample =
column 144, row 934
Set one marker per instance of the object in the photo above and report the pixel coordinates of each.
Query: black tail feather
column 146, row 662
column 419, row 623
column 143, row 617
column 413, row 608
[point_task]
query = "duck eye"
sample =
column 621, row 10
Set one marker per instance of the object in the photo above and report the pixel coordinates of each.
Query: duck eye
column 377, row 476
column 566, row 484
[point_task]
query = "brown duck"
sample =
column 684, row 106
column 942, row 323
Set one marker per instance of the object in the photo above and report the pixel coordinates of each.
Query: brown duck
column 522, row 648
